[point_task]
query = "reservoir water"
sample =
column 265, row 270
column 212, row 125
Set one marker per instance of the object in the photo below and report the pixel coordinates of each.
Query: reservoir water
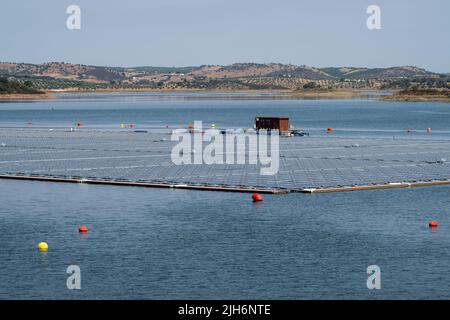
column 180, row 244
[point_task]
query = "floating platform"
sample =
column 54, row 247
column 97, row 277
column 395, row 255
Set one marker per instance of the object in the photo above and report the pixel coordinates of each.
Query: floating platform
column 307, row 164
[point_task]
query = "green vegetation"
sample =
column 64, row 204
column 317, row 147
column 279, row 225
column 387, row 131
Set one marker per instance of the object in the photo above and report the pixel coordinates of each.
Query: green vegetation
column 311, row 85
column 49, row 83
column 17, row 87
column 419, row 83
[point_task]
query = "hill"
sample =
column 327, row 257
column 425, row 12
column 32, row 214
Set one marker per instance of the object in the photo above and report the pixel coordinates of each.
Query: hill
column 238, row 76
column 379, row 73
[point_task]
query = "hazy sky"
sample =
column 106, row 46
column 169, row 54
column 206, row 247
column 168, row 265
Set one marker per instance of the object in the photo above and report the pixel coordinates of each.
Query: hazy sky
column 194, row 32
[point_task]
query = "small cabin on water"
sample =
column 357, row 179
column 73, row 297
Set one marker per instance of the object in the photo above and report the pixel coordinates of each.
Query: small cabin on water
column 272, row 123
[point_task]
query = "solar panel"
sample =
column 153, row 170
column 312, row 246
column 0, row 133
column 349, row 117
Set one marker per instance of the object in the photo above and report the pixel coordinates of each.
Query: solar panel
column 312, row 162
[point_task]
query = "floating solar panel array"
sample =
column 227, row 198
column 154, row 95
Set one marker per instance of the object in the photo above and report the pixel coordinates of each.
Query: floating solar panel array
column 305, row 162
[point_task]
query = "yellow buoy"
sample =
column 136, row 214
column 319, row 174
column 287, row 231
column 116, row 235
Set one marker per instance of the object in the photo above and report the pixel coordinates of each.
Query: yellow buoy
column 213, row 125
column 122, row 126
column 43, row 246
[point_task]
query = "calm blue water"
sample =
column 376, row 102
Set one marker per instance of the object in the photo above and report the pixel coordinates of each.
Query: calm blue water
column 361, row 117
column 177, row 244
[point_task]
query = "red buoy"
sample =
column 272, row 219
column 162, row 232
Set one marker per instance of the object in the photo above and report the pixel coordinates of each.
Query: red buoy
column 429, row 130
column 329, row 130
column 83, row 229
column 79, row 125
column 433, row 224
column 257, row 197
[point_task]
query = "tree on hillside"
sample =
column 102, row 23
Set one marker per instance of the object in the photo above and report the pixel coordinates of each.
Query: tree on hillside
column 310, row 85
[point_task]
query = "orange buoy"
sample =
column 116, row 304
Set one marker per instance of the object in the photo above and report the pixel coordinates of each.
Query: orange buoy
column 257, row 197
column 433, row 224
column 329, row 130
column 83, row 229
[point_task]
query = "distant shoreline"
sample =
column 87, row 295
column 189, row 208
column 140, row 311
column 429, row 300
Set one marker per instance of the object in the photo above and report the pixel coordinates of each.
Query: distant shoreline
column 285, row 93
column 309, row 94
column 420, row 95
column 335, row 93
column 26, row 96
column 383, row 95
